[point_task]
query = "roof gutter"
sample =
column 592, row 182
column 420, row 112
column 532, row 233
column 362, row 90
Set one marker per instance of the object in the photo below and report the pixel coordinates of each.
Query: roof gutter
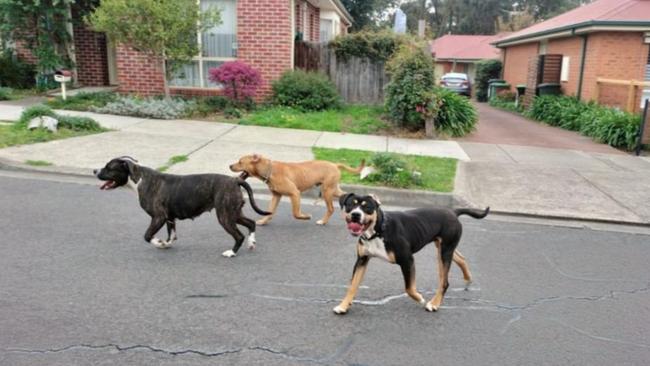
column 580, row 28
column 344, row 11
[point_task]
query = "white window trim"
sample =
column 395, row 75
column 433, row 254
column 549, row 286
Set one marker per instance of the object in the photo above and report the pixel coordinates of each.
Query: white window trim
column 565, row 71
column 200, row 58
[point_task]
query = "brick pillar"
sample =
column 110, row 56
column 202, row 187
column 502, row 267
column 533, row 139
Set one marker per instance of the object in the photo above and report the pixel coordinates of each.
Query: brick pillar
column 531, row 81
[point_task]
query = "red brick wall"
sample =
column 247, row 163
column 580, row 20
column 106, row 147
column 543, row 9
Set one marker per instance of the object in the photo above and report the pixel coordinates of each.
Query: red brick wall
column 24, row 53
column 92, row 64
column 138, row 73
column 264, row 38
column 614, row 55
column 571, row 47
column 311, row 27
column 515, row 70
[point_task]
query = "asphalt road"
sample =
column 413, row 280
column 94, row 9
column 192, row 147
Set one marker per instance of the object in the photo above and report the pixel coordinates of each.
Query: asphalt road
column 79, row 286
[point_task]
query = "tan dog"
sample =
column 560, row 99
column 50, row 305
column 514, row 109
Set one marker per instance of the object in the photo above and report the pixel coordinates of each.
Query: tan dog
column 290, row 179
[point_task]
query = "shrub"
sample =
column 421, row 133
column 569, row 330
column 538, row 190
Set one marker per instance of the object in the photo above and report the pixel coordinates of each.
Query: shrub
column 456, row 116
column 69, row 122
column 409, row 91
column 376, row 46
column 5, row 93
column 232, row 112
column 393, row 171
column 486, row 70
column 607, row 125
column 239, row 80
column 307, row 91
column 15, row 73
column 147, row 107
column 218, row 102
column 83, row 101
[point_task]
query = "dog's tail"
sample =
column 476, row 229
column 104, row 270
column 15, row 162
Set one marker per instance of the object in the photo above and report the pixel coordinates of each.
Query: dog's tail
column 248, row 189
column 477, row 214
column 356, row 170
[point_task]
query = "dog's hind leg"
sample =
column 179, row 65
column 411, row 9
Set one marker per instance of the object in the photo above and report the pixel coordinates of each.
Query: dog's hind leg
column 459, row 259
column 229, row 224
column 328, row 197
column 445, row 256
column 275, row 200
column 250, row 225
column 408, row 270
column 155, row 225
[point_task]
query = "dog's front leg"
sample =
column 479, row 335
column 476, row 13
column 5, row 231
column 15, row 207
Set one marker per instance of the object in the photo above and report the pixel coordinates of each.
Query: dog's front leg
column 295, row 207
column 357, row 276
column 171, row 233
column 156, row 224
column 408, row 271
column 275, row 200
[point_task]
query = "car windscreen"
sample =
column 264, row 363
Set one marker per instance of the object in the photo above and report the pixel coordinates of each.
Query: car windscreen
column 454, row 80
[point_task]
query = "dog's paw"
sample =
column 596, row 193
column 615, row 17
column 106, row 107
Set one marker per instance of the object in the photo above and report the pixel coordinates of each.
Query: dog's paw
column 261, row 222
column 430, row 307
column 467, row 284
column 251, row 241
column 422, row 302
column 320, row 222
column 228, row 253
column 340, row 310
column 160, row 244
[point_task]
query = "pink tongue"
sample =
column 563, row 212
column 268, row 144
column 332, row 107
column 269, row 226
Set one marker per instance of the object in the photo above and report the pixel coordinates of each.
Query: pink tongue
column 106, row 185
column 354, row 226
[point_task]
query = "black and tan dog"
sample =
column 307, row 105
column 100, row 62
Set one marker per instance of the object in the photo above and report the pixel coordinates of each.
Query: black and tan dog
column 396, row 236
column 167, row 198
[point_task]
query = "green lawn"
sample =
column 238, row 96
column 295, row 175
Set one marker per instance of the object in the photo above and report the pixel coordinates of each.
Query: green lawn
column 10, row 136
column 15, row 94
column 437, row 173
column 361, row 119
column 82, row 101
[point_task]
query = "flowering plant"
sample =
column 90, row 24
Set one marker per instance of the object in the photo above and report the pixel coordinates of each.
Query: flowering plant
column 240, row 81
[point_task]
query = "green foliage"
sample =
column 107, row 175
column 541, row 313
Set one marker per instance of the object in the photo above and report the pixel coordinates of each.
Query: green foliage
column 376, row 46
column 5, row 93
column 71, row 123
column 164, row 29
column 507, row 104
column 15, row 73
column 409, row 91
column 486, row 70
column 393, row 171
column 218, row 102
column 307, row 91
column 173, row 160
column 456, row 116
column 366, row 12
column 360, row 119
column 607, row 125
column 38, row 162
column 232, row 112
column 83, row 101
column 147, row 107
column 436, row 174
column 76, row 123
column 12, row 135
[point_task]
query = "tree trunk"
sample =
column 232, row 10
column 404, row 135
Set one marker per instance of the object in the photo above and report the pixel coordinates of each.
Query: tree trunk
column 69, row 46
column 165, row 77
column 430, row 128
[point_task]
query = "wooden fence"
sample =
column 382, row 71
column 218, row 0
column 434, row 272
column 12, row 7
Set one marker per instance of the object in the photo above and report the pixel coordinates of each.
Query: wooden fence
column 632, row 87
column 358, row 80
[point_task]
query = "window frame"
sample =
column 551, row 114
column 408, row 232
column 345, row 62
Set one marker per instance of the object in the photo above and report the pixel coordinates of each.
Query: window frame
column 200, row 58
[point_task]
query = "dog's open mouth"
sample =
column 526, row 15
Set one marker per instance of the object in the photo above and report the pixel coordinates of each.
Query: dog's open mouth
column 357, row 228
column 109, row 184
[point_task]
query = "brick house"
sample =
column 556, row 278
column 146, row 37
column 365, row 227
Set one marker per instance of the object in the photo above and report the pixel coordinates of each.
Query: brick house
column 260, row 33
column 461, row 53
column 606, row 39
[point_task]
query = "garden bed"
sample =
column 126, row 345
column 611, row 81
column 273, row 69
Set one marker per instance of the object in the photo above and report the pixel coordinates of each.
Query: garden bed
column 437, row 174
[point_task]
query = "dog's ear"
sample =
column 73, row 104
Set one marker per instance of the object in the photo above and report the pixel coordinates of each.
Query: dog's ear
column 344, row 198
column 256, row 158
column 375, row 198
column 134, row 170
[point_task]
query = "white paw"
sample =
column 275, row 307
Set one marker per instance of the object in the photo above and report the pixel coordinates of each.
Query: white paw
column 430, row 307
column 340, row 310
column 251, row 241
column 160, row 244
column 228, row 253
column 320, row 222
column 423, row 302
column 261, row 222
column 467, row 284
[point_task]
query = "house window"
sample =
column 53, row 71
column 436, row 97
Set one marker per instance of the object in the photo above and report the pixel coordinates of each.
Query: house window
column 326, row 28
column 564, row 74
column 217, row 45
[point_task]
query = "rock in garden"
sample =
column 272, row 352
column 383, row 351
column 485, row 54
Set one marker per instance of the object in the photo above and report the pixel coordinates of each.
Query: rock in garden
column 43, row 122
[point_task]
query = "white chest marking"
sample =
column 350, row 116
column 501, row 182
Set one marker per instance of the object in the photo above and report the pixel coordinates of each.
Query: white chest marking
column 375, row 248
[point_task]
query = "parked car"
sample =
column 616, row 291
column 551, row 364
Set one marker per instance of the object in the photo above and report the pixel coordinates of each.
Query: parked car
column 457, row 82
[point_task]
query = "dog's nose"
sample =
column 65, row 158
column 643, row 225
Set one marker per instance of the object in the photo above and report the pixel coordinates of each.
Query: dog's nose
column 355, row 216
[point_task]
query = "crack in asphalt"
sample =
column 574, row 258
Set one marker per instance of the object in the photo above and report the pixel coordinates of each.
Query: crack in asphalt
column 340, row 351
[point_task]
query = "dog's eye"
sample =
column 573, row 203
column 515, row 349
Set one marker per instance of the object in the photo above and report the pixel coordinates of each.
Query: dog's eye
column 355, row 202
column 364, row 203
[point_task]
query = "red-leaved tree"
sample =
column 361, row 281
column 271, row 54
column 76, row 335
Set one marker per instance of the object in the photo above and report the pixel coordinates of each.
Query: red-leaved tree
column 239, row 80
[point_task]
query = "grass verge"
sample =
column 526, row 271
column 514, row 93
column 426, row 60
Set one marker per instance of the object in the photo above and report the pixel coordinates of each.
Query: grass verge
column 173, row 160
column 11, row 136
column 361, row 119
column 82, row 101
column 437, row 173
column 38, row 162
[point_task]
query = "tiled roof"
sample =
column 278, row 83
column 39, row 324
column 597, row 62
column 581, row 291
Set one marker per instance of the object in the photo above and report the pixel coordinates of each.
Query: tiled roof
column 464, row 47
column 599, row 12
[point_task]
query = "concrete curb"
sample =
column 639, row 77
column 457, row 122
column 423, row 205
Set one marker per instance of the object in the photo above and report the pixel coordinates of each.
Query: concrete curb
column 388, row 196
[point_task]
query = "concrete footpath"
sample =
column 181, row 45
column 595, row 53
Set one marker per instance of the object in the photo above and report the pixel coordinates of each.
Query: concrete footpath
column 512, row 179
